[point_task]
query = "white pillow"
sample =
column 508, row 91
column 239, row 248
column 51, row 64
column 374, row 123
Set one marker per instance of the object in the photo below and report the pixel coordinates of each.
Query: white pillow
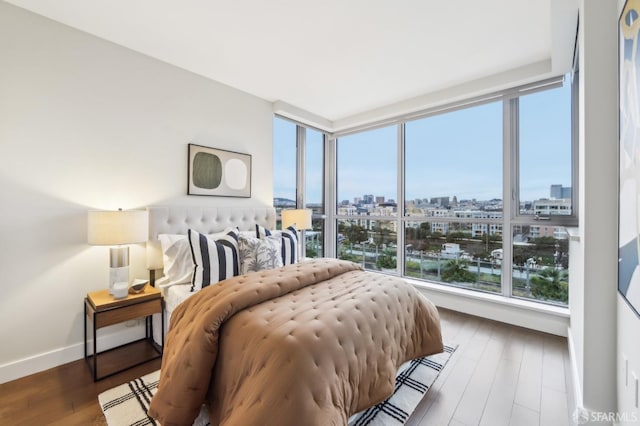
column 215, row 259
column 176, row 259
column 258, row 255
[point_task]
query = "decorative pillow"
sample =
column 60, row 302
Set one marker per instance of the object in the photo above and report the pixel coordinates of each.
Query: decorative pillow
column 258, row 255
column 214, row 259
column 289, row 242
column 177, row 259
column 262, row 232
column 289, row 245
column 247, row 234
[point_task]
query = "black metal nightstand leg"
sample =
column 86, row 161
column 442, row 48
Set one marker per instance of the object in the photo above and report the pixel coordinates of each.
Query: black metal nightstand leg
column 85, row 331
column 162, row 322
column 95, row 349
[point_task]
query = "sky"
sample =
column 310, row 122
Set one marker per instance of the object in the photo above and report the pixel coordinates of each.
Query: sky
column 453, row 154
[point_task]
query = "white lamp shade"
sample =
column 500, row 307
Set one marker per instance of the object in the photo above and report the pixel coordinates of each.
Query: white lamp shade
column 117, row 227
column 301, row 218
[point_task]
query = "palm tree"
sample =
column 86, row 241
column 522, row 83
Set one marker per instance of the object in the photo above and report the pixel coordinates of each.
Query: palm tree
column 550, row 284
column 455, row 270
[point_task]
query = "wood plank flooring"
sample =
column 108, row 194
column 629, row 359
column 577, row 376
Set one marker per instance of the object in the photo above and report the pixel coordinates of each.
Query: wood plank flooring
column 65, row 395
column 499, row 375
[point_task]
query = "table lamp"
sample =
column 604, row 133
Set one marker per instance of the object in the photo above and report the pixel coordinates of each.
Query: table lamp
column 301, row 218
column 118, row 228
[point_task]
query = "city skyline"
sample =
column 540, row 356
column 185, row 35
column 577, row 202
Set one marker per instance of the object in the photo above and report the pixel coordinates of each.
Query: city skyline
column 451, row 200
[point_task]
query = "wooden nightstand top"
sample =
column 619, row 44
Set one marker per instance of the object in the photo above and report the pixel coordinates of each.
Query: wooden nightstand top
column 101, row 300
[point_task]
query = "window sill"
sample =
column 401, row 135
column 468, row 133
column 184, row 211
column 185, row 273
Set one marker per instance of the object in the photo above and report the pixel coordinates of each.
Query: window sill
column 558, row 311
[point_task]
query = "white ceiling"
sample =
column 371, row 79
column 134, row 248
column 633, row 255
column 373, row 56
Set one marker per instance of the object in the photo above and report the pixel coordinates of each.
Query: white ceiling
column 335, row 59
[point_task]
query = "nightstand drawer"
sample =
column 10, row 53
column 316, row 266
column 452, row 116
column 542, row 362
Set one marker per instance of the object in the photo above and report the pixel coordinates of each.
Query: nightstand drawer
column 115, row 316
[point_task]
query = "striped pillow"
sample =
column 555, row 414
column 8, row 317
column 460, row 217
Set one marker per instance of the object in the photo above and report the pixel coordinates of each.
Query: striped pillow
column 214, row 259
column 262, row 232
column 289, row 242
column 290, row 245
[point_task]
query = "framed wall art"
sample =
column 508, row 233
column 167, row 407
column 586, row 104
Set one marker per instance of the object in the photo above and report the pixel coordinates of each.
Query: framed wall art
column 629, row 155
column 218, row 172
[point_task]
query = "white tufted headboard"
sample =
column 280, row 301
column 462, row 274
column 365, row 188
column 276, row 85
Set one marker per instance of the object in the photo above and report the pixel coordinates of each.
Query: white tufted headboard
column 179, row 219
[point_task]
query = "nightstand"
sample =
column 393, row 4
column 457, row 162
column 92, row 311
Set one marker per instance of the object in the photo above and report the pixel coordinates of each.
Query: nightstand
column 103, row 310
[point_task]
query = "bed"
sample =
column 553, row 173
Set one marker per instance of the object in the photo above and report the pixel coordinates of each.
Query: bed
column 311, row 342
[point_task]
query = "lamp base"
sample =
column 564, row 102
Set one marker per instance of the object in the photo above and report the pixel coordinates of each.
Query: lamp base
column 303, row 245
column 119, row 262
column 117, row 275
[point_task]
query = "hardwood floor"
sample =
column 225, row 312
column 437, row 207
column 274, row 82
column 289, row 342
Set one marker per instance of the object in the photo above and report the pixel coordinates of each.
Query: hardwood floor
column 65, row 395
column 499, row 375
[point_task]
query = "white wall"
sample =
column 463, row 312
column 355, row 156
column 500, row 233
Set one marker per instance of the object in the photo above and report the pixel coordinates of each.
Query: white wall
column 88, row 124
column 593, row 300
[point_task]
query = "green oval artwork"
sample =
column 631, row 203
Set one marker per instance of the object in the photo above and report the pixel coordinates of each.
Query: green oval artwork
column 207, row 170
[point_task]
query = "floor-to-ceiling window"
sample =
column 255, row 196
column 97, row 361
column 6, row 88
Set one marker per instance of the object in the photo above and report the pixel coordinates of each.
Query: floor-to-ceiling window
column 540, row 249
column 453, row 197
column 298, row 177
column 314, row 190
column 284, row 165
column 367, row 192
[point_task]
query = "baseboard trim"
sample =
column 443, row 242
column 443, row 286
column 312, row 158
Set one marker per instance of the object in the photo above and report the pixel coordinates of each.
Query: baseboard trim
column 46, row 360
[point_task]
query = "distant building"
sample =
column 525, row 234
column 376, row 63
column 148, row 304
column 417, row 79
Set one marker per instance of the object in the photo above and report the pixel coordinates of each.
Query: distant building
column 561, row 206
column 347, row 211
column 367, row 199
column 559, row 191
column 557, row 232
column 440, row 201
column 380, row 200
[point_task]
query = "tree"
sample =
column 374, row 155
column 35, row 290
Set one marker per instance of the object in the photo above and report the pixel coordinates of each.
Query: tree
column 355, row 233
column 550, row 284
column 522, row 253
column 424, row 230
column 455, row 270
column 380, row 234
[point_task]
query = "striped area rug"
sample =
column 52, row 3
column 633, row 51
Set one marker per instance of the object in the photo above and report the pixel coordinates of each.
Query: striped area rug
column 127, row 404
column 412, row 382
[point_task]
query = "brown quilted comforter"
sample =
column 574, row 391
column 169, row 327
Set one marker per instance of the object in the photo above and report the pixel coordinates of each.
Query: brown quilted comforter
column 310, row 343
